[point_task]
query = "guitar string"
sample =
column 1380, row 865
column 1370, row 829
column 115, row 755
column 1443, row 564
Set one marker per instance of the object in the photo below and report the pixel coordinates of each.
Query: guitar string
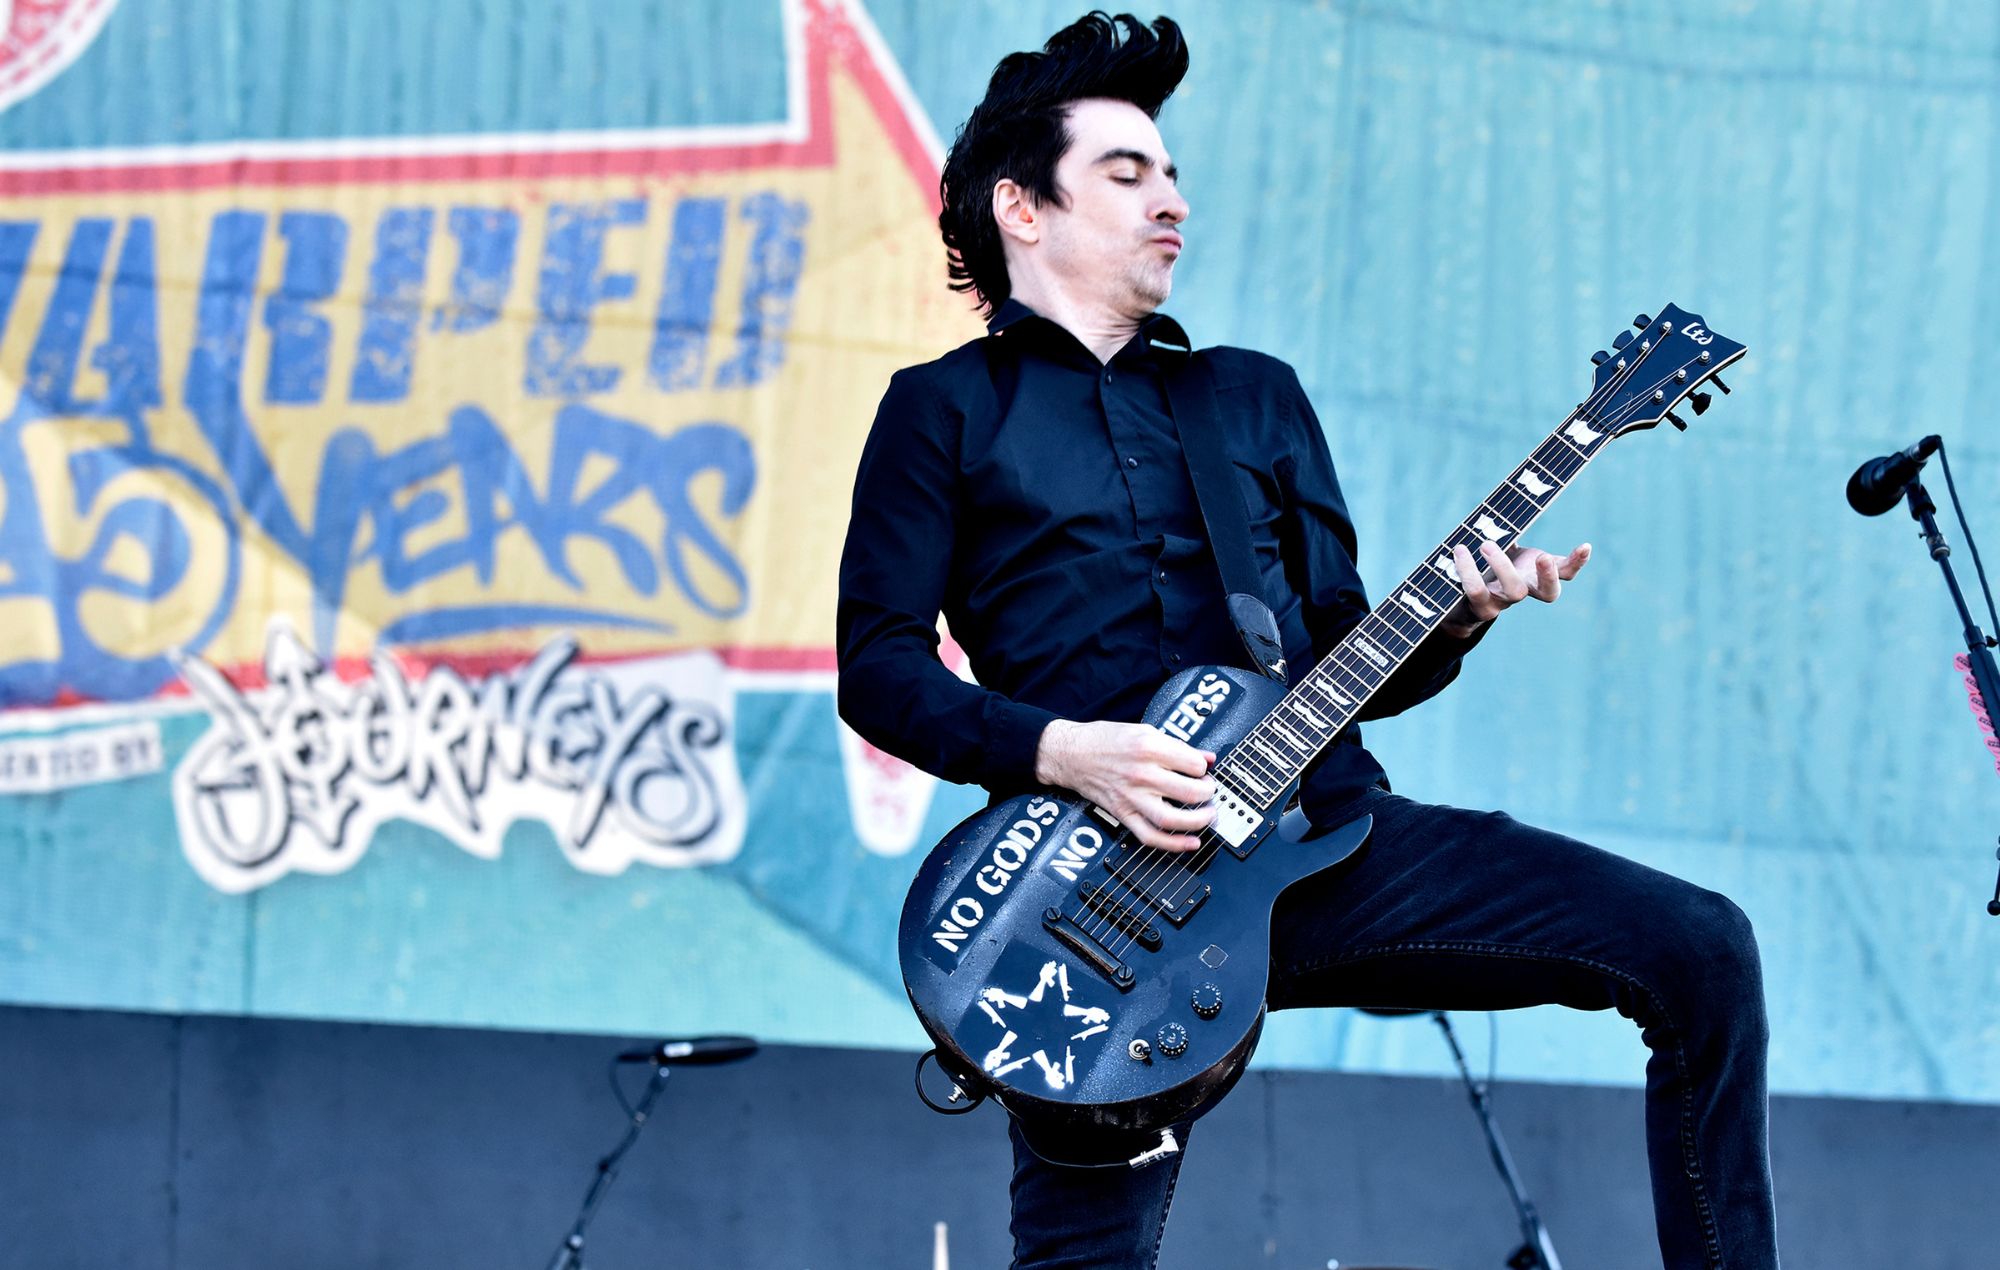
column 1244, row 754
column 1574, row 461
column 1154, row 864
column 1204, row 854
column 1158, row 863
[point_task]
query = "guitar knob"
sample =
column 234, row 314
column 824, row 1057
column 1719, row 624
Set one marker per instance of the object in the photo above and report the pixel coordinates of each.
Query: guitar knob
column 1173, row 1040
column 1599, row 357
column 1207, row 1001
column 1624, row 338
column 1699, row 401
column 1642, row 321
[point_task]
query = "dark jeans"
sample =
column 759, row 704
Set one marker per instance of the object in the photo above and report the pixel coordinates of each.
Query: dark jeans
column 1461, row 910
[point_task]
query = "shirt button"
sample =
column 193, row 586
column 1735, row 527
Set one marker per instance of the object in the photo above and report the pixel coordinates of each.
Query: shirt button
column 1163, row 575
column 1130, row 462
column 1175, row 658
column 1107, row 376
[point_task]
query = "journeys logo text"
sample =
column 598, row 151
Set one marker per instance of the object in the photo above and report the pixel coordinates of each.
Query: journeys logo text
column 625, row 762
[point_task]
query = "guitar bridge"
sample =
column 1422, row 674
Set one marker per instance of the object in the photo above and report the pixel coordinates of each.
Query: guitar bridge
column 1064, row 928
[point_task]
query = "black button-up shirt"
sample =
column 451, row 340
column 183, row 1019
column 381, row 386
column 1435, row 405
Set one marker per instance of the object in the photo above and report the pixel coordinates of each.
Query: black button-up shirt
column 1040, row 500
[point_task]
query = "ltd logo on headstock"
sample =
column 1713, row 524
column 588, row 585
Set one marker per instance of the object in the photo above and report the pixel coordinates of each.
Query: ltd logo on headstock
column 1695, row 332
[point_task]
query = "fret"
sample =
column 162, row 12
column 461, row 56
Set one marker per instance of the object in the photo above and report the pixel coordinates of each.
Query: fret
column 1488, row 525
column 1286, row 735
column 1582, row 434
column 1334, row 695
column 1558, row 457
column 1251, row 785
column 1290, row 756
column 1312, row 718
column 1519, row 510
column 1534, row 482
column 1382, row 632
column 1409, row 597
column 1256, row 743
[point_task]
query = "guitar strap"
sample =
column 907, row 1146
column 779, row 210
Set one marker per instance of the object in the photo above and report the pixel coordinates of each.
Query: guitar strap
column 1197, row 414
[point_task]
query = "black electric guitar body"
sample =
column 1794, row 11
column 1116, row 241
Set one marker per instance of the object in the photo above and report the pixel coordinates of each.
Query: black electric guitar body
column 1105, row 991
column 1040, row 939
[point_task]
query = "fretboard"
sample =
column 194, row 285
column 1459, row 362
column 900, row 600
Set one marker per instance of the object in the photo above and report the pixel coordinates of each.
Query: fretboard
column 1274, row 753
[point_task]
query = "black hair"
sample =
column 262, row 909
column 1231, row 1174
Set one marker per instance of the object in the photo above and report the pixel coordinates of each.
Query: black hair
column 1021, row 129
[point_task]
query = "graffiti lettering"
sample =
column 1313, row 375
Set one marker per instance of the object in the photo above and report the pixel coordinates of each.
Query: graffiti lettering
column 1193, row 709
column 285, row 776
column 160, row 533
column 1084, row 844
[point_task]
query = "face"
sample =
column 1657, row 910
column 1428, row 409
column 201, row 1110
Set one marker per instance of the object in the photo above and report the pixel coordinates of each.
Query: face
column 1115, row 242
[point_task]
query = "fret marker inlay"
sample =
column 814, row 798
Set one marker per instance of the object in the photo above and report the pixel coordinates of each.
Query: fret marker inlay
column 1371, row 652
column 1489, row 527
column 1415, row 605
column 1583, row 436
column 1528, row 479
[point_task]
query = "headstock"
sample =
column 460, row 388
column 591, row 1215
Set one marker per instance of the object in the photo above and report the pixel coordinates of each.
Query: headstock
column 1640, row 381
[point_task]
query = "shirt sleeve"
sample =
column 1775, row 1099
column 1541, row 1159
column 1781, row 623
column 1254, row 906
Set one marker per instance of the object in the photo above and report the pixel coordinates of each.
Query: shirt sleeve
column 894, row 572
column 1320, row 553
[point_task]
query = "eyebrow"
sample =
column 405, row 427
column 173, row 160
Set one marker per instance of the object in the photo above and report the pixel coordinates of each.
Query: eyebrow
column 1139, row 157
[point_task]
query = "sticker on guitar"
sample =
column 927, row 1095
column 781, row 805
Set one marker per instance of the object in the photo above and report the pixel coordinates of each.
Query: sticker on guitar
column 1009, row 1012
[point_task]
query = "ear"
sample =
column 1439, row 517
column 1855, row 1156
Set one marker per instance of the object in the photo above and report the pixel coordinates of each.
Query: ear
column 1014, row 212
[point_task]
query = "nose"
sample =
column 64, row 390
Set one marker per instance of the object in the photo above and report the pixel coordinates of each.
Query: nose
column 1172, row 208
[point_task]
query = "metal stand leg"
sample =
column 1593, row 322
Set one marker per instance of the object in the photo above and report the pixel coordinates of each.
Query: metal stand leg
column 1536, row 1252
column 569, row 1256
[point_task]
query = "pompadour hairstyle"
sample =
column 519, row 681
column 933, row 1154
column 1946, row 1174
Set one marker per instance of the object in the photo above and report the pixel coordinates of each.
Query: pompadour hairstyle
column 1021, row 129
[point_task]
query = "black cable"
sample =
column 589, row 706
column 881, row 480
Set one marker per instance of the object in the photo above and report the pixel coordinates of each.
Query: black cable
column 618, row 1090
column 1966, row 530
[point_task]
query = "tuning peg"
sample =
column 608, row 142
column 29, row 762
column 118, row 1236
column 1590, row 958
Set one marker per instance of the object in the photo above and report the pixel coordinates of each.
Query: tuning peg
column 1717, row 381
column 1642, row 321
column 1599, row 357
column 1677, row 421
column 1624, row 338
column 1699, row 400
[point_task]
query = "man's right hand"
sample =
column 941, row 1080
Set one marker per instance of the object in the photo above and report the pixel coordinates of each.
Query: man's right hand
column 1157, row 787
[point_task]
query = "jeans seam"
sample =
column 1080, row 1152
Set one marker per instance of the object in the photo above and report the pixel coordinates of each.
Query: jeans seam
column 1166, row 1207
column 1690, row 1158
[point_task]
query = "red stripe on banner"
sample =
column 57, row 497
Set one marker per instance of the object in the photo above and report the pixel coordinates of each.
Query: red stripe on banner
column 828, row 34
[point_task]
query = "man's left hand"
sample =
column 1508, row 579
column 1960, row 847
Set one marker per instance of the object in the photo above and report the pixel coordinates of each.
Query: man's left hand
column 1508, row 578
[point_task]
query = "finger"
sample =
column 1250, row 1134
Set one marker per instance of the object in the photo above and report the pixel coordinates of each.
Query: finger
column 1479, row 598
column 1186, row 790
column 1153, row 836
column 1177, row 819
column 1177, row 756
column 1574, row 563
column 1548, row 578
column 1470, row 579
column 1507, row 579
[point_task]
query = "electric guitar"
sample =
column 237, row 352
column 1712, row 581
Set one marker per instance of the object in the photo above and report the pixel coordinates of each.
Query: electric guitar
column 1104, row 990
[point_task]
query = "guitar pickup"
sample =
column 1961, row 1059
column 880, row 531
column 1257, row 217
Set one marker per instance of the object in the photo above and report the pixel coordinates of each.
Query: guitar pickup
column 1177, row 907
column 1065, row 929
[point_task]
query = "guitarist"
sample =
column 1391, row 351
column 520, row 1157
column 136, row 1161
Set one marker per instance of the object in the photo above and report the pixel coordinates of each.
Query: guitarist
column 1031, row 487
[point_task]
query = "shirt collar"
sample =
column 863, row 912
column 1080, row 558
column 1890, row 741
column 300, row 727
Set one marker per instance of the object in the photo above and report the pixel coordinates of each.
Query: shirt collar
column 1158, row 334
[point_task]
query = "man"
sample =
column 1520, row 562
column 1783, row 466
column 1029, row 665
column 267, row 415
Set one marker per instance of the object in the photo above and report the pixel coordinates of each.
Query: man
column 1031, row 486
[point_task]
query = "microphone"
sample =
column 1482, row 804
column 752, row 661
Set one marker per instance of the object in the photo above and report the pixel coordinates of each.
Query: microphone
column 1878, row 483
column 695, row 1051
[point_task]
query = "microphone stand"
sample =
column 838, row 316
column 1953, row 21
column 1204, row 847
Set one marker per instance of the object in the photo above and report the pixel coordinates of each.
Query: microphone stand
column 1924, row 512
column 1536, row 1252
column 570, row 1255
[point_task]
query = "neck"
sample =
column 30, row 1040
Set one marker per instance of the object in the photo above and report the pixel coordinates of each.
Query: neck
column 1098, row 326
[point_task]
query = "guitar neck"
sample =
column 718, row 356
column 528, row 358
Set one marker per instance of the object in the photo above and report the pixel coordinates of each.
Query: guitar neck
column 1274, row 753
